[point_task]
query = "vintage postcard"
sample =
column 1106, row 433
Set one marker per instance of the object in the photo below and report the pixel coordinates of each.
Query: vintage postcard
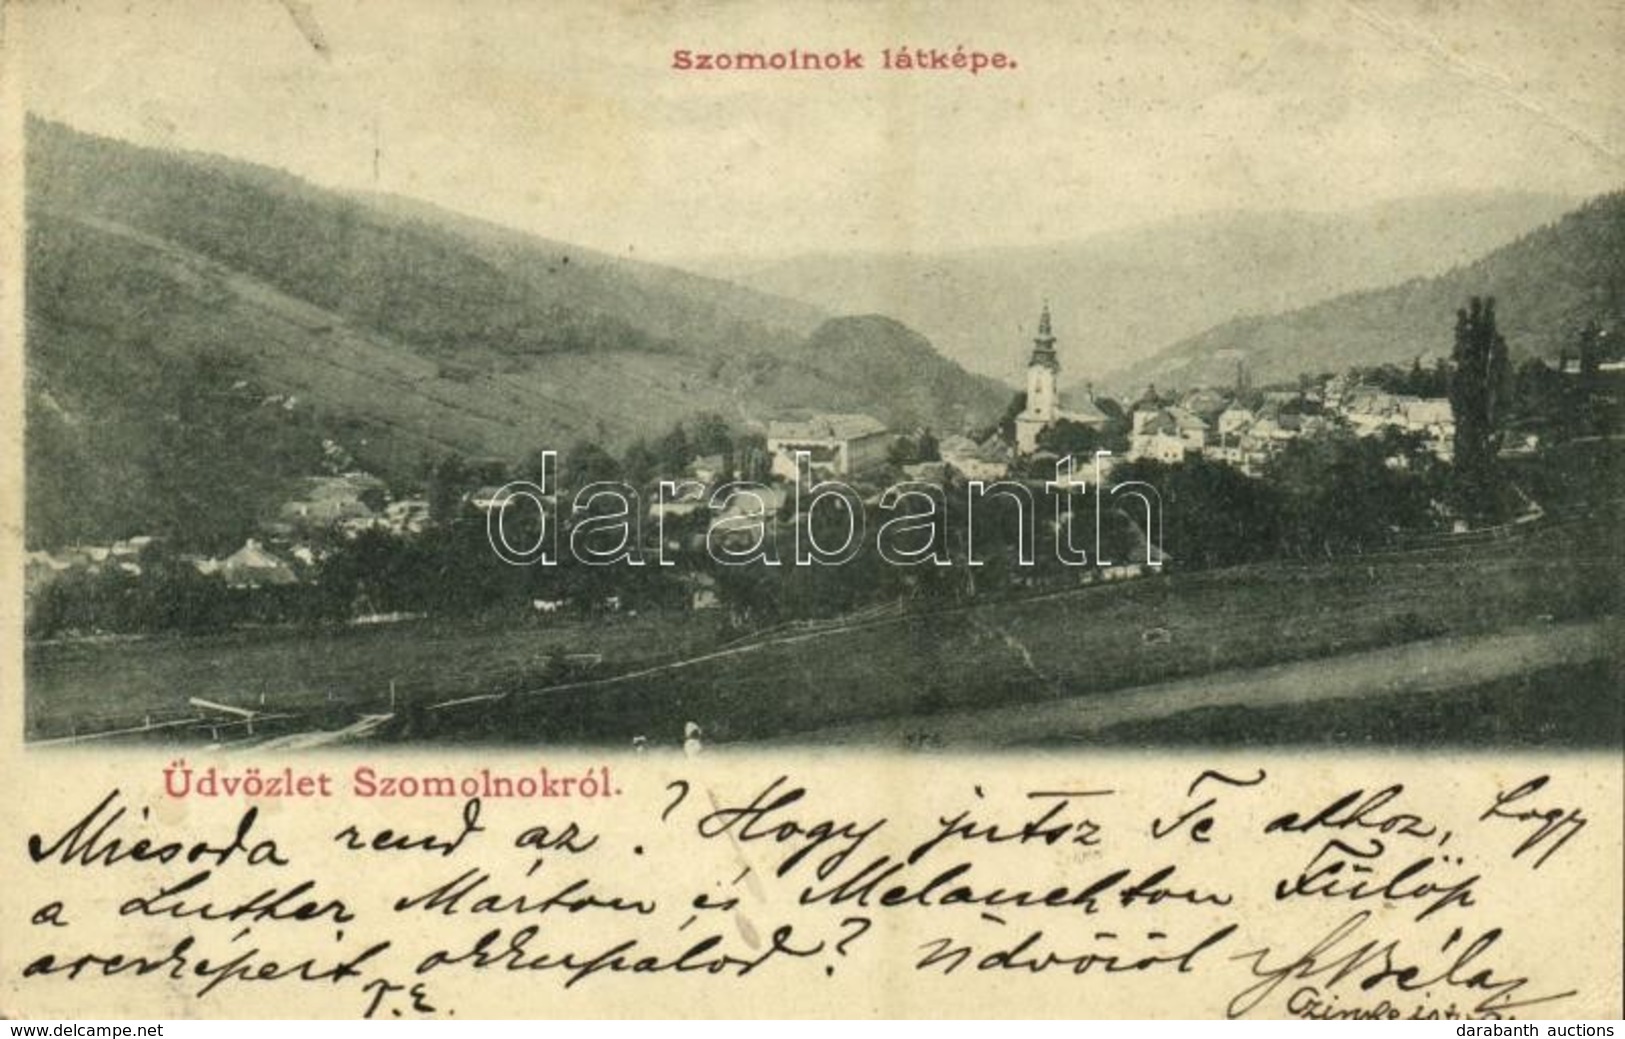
column 905, row 509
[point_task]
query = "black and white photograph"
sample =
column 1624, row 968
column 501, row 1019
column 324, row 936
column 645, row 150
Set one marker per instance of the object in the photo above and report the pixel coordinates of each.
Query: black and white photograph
column 1257, row 396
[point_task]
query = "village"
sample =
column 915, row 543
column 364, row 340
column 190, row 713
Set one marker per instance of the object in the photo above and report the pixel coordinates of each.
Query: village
column 676, row 514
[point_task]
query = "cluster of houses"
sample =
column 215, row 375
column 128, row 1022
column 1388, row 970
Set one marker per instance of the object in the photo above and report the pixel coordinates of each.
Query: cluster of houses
column 251, row 566
column 1369, row 410
column 1221, row 428
column 289, row 547
column 1240, row 428
column 350, row 503
column 123, row 556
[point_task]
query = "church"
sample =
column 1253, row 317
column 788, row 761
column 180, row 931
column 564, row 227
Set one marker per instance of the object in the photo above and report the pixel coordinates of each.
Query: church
column 1044, row 405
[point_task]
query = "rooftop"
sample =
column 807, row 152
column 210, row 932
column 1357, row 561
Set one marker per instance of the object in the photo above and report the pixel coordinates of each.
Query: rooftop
column 826, row 427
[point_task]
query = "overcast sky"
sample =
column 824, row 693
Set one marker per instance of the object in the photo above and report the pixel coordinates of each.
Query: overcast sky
column 567, row 120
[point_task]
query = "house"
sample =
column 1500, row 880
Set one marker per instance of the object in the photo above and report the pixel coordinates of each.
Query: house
column 709, row 469
column 836, row 444
column 134, row 547
column 356, row 526
column 1433, row 418
column 407, row 516
column 328, row 500
column 45, row 562
column 1156, row 446
column 1234, row 420
column 1423, row 413
column 1166, row 434
column 1191, row 427
column 753, row 500
column 253, row 567
column 927, row 472
column 487, row 498
column 1205, row 403
column 685, row 500
column 974, row 461
column 208, row 566
column 1245, row 438
column 1368, row 409
column 701, row 590
column 1272, row 428
column 40, row 570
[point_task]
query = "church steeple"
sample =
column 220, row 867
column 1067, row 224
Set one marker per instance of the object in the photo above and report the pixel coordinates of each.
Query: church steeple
column 1043, row 403
column 1044, row 344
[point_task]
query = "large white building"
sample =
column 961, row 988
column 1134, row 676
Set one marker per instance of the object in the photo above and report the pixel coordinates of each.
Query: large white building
column 836, row 445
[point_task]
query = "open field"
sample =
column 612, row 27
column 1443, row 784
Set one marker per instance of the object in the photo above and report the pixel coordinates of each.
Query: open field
column 1085, row 642
column 332, row 674
column 1545, row 683
column 658, row 672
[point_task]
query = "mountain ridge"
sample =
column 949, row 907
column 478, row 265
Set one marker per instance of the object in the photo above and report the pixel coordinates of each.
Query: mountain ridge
column 400, row 338
column 1122, row 295
column 1548, row 283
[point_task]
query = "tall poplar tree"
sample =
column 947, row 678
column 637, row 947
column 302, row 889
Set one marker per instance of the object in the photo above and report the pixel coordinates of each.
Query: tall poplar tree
column 1479, row 395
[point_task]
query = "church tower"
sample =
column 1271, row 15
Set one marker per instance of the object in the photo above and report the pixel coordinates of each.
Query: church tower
column 1042, row 368
column 1043, row 405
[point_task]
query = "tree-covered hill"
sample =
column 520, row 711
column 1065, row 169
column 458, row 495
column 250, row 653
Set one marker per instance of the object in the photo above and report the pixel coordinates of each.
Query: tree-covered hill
column 1548, row 284
column 198, row 326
